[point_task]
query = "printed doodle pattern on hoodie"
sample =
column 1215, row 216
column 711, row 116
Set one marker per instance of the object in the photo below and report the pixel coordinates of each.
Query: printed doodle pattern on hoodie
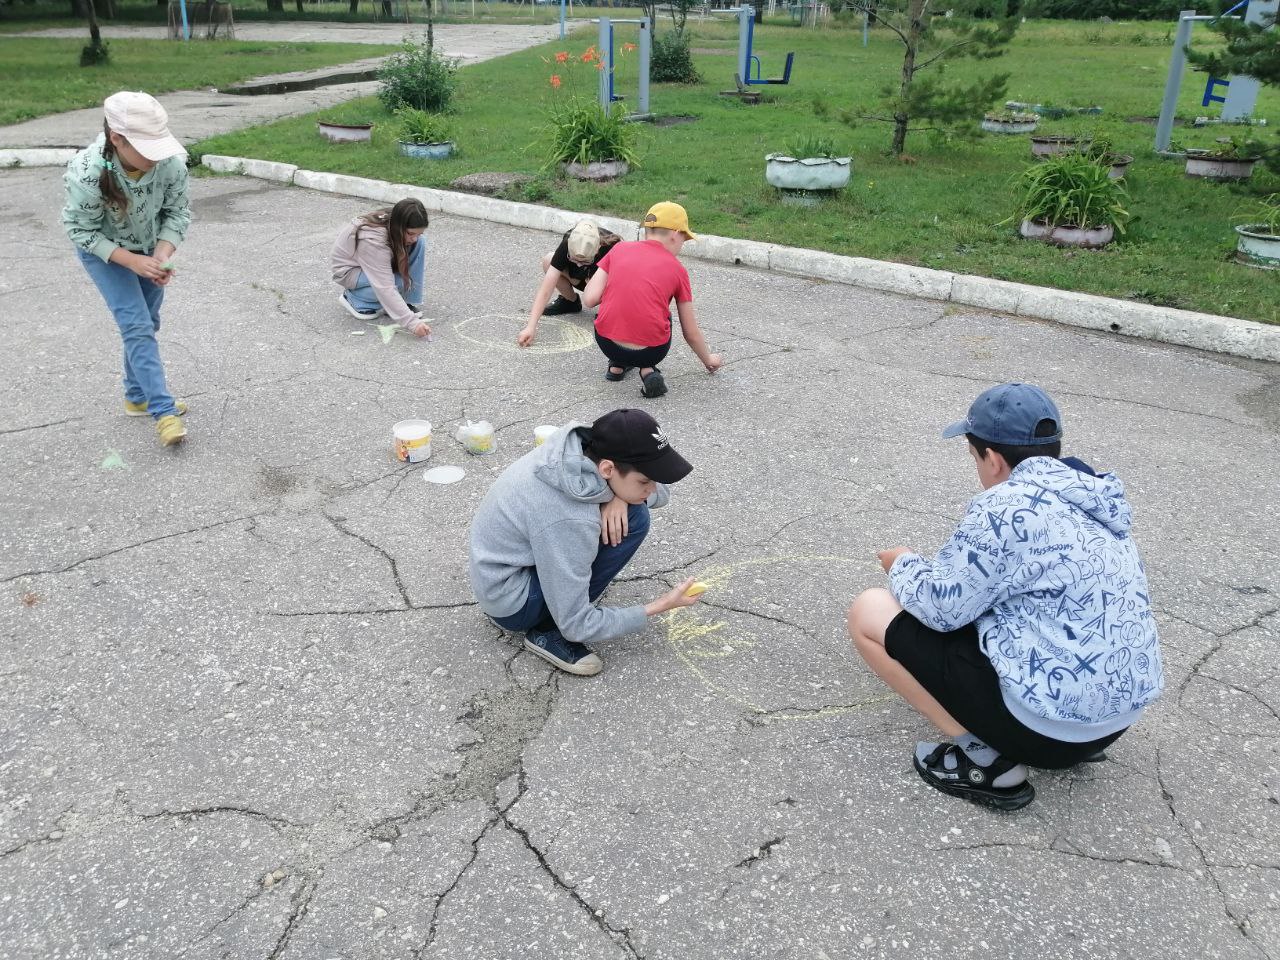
column 1045, row 567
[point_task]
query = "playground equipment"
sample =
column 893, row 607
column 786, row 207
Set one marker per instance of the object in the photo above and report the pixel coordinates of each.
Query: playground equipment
column 1242, row 91
column 746, row 59
column 608, row 97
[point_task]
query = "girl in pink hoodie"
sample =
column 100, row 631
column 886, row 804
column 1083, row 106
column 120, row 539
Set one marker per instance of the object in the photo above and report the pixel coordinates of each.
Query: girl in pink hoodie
column 378, row 261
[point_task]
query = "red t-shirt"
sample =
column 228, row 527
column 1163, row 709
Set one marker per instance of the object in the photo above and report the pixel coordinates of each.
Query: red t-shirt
column 644, row 276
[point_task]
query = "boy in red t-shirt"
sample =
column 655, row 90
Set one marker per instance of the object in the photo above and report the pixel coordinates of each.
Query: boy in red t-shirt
column 634, row 285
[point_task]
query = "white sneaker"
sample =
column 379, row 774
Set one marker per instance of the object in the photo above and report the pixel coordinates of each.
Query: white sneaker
column 358, row 314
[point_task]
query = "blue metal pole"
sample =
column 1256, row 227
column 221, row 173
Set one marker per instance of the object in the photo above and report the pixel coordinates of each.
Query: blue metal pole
column 186, row 27
column 561, row 19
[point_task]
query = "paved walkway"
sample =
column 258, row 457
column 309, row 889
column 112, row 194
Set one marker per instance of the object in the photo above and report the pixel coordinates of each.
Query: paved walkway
column 197, row 114
column 249, row 709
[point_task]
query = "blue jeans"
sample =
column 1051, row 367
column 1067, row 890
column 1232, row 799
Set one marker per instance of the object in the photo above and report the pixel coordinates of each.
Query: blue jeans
column 362, row 297
column 607, row 565
column 134, row 301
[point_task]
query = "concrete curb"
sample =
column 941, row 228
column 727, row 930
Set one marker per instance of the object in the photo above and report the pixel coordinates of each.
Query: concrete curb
column 36, row 157
column 1202, row 331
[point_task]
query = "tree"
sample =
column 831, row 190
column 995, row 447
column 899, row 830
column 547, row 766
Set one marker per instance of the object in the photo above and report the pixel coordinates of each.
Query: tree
column 96, row 52
column 1253, row 50
column 926, row 103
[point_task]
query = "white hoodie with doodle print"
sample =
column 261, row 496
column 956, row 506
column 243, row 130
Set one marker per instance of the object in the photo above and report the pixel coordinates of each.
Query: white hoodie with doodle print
column 1043, row 565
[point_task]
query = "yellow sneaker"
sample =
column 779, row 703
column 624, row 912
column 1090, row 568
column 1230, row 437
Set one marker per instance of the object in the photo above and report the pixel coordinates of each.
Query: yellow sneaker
column 171, row 430
column 140, row 409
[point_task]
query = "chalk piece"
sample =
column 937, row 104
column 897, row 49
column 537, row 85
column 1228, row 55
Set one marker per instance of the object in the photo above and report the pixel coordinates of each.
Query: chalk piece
column 697, row 589
column 444, row 474
column 358, row 333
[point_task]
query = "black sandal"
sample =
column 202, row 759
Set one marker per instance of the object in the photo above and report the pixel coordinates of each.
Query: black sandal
column 615, row 377
column 971, row 781
column 653, row 385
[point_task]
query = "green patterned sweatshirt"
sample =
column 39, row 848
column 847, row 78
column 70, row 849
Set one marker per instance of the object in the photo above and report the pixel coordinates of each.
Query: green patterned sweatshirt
column 158, row 205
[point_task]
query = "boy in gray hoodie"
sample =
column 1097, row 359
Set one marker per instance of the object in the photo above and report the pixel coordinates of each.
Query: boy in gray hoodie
column 560, row 523
column 1028, row 639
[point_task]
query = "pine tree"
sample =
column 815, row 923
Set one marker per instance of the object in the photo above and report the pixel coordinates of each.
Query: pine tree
column 919, row 103
column 1252, row 49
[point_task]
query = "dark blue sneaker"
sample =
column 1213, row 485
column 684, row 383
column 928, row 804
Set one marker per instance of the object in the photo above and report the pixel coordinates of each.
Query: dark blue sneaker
column 570, row 657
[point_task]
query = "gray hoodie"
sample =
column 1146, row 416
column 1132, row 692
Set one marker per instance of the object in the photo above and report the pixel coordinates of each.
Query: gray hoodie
column 544, row 512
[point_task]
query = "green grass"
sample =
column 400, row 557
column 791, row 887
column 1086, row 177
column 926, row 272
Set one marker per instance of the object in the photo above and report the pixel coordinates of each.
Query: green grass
column 44, row 16
column 942, row 210
column 40, row 75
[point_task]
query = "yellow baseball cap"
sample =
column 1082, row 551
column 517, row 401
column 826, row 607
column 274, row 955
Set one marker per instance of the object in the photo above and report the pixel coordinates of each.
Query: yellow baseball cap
column 668, row 216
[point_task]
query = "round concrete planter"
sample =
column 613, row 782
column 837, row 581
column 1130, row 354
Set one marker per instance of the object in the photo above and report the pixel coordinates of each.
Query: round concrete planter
column 810, row 173
column 1119, row 166
column 345, row 132
column 600, row 170
column 1089, row 238
column 1052, row 146
column 992, row 125
column 1202, row 163
column 426, row 151
column 1257, row 248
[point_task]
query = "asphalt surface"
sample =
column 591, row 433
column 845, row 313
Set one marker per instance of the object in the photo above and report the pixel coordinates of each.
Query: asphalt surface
column 195, row 115
column 248, row 708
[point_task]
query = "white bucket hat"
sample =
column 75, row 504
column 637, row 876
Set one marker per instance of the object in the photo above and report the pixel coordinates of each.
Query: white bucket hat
column 584, row 240
column 139, row 118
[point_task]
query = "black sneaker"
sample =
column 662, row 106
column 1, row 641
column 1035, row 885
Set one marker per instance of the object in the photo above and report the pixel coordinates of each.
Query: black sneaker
column 971, row 781
column 570, row 657
column 561, row 305
column 654, row 386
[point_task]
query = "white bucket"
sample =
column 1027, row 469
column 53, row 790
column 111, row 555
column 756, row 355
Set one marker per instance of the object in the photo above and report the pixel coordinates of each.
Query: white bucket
column 542, row 434
column 476, row 438
column 412, row 440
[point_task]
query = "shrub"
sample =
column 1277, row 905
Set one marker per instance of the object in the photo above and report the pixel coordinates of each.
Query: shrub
column 418, row 77
column 813, row 148
column 1263, row 212
column 670, row 60
column 584, row 132
column 1071, row 190
column 418, row 126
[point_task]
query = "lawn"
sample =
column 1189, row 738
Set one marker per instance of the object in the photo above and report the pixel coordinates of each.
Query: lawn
column 941, row 209
column 41, row 75
column 43, row 16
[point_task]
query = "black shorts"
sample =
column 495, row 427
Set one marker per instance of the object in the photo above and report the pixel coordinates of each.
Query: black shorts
column 958, row 674
column 621, row 356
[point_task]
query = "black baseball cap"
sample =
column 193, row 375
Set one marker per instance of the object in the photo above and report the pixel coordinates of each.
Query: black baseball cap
column 632, row 436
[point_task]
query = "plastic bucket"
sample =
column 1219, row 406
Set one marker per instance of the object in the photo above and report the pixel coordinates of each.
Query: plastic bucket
column 542, row 434
column 412, row 440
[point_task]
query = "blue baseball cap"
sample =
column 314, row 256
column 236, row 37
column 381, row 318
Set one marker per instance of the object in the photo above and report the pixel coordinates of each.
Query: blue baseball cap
column 1009, row 414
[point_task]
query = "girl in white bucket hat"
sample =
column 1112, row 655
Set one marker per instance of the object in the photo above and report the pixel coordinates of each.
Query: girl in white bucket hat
column 126, row 211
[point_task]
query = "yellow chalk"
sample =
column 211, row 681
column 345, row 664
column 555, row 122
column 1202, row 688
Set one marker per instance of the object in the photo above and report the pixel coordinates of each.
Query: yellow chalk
column 697, row 589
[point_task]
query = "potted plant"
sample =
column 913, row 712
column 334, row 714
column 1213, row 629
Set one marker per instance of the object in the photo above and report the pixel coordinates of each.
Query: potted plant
column 591, row 143
column 425, row 136
column 336, row 132
column 1117, row 164
column 1258, row 234
column 810, row 169
column 1050, row 145
column 1006, row 121
column 1231, row 159
column 1070, row 200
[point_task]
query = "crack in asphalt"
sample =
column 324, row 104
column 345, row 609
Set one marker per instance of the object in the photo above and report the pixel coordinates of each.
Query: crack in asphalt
column 131, row 546
column 762, row 852
column 39, row 426
column 341, row 527
column 301, row 900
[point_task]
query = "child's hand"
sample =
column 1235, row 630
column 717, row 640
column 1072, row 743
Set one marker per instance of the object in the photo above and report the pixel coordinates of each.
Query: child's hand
column 714, row 362
column 527, row 334
column 613, row 521
column 887, row 557
column 677, row 597
column 152, row 268
column 420, row 329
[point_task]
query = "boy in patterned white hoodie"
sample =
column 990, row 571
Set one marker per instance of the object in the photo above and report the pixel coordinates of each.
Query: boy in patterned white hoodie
column 1028, row 639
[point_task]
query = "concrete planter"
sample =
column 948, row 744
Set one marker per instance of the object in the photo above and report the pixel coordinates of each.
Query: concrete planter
column 427, row 151
column 992, row 125
column 1119, row 167
column 1257, row 248
column 599, row 170
column 1089, row 238
column 1202, row 163
column 1052, row 146
column 810, row 173
column 345, row 132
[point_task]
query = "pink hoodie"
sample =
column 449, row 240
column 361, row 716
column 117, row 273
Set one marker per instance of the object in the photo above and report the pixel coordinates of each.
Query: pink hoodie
column 373, row 256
